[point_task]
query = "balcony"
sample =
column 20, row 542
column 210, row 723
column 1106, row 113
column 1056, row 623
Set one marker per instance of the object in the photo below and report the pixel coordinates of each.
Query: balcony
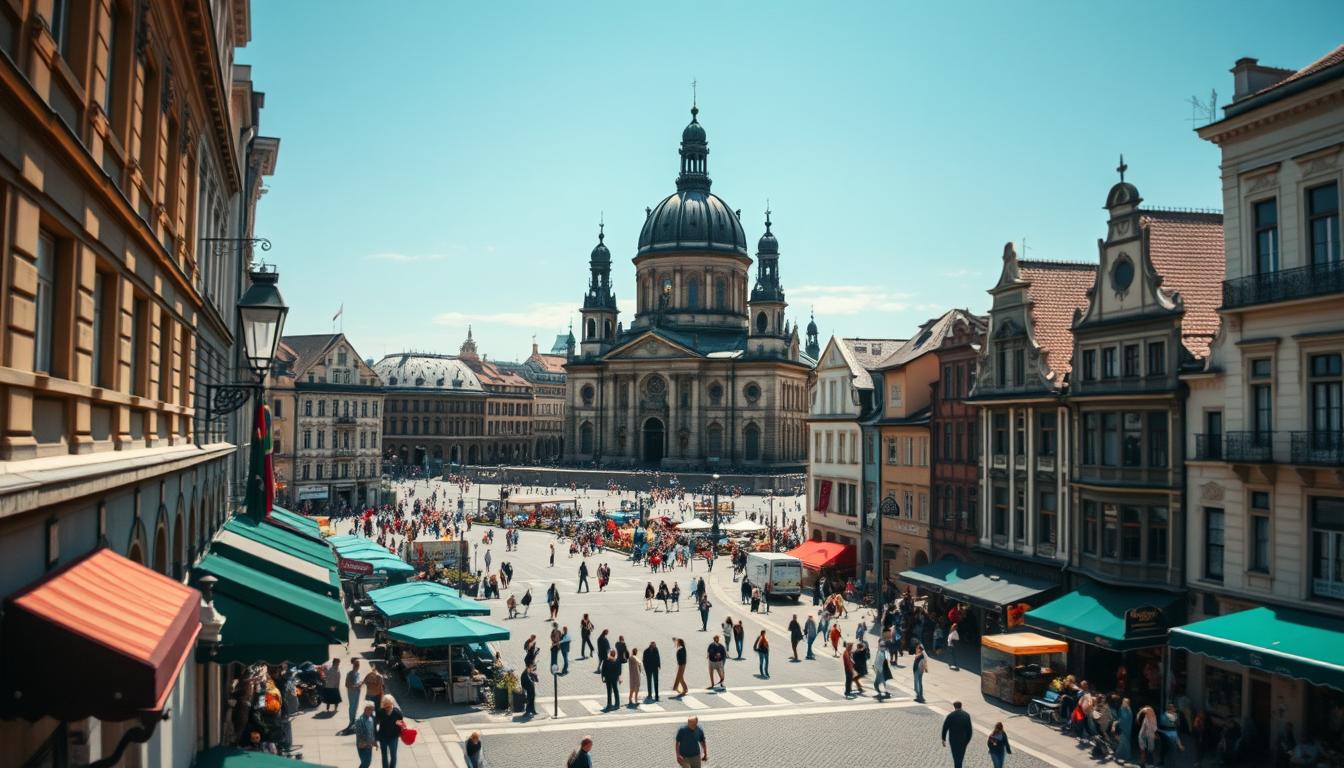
column 342, row 452
column 1320, row 449
column 1249, row 448
column 1208, row 448
column 1284, row 285
column 345, row 420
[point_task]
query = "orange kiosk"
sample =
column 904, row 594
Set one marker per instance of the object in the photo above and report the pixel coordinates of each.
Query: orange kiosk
column 1017, row 667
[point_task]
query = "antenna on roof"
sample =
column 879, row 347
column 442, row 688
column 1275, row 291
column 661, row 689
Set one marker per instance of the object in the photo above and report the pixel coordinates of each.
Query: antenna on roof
column 1202, row 113
column 1024, row 246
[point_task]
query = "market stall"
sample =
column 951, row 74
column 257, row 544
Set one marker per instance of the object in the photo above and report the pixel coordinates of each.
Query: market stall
column 539, row 507
column 423, row 638
column 1018, row 667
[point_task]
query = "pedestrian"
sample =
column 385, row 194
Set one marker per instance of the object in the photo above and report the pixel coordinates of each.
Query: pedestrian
column 555, row 602
column 676, row 596
column 881, row 674
column 636, row 670
column 762, row 648
column 664, row 596
column 1147, row 727
column 795, row 635
column 352, row 685
column 653, row 661
column 957, row 728
column 810, row 632
column 679, row 684
column 555, row 645
column 580, row 758
column 835, row 639
column 746, row 590
column 919, row 665
column 716, row 654
column 512, row 603
column 472, row 750
column 530, row 691
column 552, row 565
column 691, row 749
column 527, row 601
column 622, row 650
column 603, row 646
column 953, row 637
column 583, row 577
column 999, row 746
column 860, row 656
column 366, row 735
column 585, row 636
column 705, row 605
column 847, row 658
column 390, row 723
column 565, row 641
column 648, row 596
column 611, row 676
column 331, row 686
column 739, row 636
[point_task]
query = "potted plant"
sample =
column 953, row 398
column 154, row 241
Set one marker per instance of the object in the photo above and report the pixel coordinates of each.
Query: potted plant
column 501, row 688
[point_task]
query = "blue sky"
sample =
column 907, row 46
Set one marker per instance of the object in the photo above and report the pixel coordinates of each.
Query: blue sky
column 445, row 163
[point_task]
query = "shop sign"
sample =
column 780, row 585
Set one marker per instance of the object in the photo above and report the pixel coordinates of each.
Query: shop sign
column 355, row 567
column 1144, row 620
column 312, row 492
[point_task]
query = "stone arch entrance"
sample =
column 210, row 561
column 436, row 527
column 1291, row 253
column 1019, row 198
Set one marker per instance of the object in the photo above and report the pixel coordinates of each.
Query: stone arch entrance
column 655, row 440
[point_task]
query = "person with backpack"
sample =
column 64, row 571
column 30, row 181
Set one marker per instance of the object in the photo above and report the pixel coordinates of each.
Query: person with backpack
column 579, row 758
column 762, row 648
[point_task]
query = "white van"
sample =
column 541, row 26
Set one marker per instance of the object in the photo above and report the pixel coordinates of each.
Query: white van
column 784, row 572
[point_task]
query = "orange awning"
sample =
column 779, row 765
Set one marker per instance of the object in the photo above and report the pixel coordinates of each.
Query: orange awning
column 103, row 637
column 825, row 554
column 1024, row 643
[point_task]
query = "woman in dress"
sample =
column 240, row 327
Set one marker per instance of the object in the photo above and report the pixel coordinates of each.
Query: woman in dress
column 636, row 672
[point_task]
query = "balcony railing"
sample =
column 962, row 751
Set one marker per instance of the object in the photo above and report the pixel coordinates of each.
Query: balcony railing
column 1249, row 447
column 345, row 419
column 1284, row 285
column 1324, row 449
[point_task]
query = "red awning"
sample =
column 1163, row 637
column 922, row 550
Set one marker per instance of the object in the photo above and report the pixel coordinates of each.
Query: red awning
column 103, row 637
column 825, row 554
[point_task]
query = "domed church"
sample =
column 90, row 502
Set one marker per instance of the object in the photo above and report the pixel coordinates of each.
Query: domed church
column 708, row 374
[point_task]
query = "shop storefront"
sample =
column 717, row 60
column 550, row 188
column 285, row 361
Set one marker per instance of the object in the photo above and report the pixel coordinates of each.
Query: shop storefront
column 1267, row 667
column 832, row 559
column 993, row 600
column 1119, row 634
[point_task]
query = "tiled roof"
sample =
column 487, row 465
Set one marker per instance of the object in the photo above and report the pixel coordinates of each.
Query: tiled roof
column 422, row 370
column 552, row 363
column 1328, row 60
column 1186, row 248
column 931, row 336
column 868, row 353
column 309, row 346
column 1056, row 290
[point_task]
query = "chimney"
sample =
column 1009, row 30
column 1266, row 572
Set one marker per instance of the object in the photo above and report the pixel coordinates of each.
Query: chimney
column 1249, row 77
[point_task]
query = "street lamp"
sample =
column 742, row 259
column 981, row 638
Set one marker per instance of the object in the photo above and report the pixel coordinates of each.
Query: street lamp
column 714, row 536
column 261, row 314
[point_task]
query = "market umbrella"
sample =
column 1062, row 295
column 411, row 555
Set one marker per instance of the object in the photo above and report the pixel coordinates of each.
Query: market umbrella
column 386, row 564
column 412, row 588
column 744, row 526
column 447, row 630
column 425, row 605
column 694, row 525
column 344, row 538
column 588, row 519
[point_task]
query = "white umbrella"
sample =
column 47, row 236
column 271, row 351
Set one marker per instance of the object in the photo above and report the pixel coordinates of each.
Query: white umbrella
column 586, row 519
column 694, row 525
column 744, row 526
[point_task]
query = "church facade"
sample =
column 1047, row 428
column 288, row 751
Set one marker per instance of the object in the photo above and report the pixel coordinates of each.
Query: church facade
column 708, row 374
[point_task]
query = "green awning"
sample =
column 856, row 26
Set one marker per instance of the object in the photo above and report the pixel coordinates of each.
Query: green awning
column 413, row 606
column 281, row 565
column 976, row 584
column 1281, row 641
column 286, row 541
column 447, row 630
column 304, row 526
column 1109, row 617
column 233, row 757
column 269, row 619
column 412, row 588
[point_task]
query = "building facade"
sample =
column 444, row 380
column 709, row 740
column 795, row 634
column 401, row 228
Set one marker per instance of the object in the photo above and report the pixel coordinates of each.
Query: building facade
column 707, row 374
column 130, row 139
column 955, row 428
column 326, row 408
column 842, row 399
column 1265, row 479
column 546, row 374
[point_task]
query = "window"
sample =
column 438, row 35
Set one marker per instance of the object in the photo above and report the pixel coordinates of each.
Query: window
column 1108, row 363
column 1019, row 367
column 306, row 468
column 1327, row 383
column 1091, row 523
column 947, row 382
column 1001, row 367
column 1157, row 358
column 1266, row 216
column 45, row 303
column 139, row 346
column 1259, row 538
column 1327, row 542
column 104, row 318
column 1157, row 439
column 1020, row 435
column 1262, row 396
column 958, row 391
column 1213, row 543
column 307, row 407
column 1110, row 439
column 1091, row 437
column 307, row 438
column 720, row 294
column 1089, row 365
column 1132, row 440
column 319, row 470
column 165, row 358
column 1131, row 534
column 321, row 407
column 1048, row 513
column 1046, row 440
column 715, row 435
column 1000, row 433
column 322, row 438
column 1157, row 535
column 1000, row 512
column 60, row 26
column 891, row 451
column 1323, row 223
column 1020, row 514
column 1131, row 361
column 1110, row 530
column 278, row 408
column 1213, row 434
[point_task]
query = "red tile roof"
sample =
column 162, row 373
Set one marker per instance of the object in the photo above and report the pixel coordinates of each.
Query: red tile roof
column 552, row 363
column 1186, row 248
column 1056, row 290
column 1328, row 60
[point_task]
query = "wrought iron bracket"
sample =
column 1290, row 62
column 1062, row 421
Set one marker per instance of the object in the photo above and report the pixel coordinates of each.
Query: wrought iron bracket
column 223, row 399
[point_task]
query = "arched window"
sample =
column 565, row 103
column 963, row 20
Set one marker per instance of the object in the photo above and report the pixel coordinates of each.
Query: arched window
column 715, row 441
column 720, row 293
column 762, row 322
column 161, row 547
column 608, row 331
column 587, row 394
column 693, row 293
column 590, row 330
column 751, row 439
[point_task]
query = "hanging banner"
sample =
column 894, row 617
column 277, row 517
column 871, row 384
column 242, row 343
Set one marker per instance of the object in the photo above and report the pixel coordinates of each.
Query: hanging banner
column 355, row 567
column 823, row 496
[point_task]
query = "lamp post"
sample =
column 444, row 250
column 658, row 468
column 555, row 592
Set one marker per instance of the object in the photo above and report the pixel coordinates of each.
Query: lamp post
column 714, row 536
column 555, row 688
column 888, row 508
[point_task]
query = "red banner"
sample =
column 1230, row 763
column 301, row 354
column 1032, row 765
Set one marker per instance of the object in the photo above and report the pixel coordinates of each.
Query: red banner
column 823, row 496
column 355, row 567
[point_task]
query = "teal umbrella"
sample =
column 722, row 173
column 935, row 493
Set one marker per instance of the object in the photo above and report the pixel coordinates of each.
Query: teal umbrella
column 362, row 546
column 387, row 564
column 411, row 606
column 447, row 630
column 412, row 588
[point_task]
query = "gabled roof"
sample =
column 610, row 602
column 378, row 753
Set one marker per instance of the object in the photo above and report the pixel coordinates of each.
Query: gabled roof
column 931, row 336
column 857, row 369
column 1056, row 290
column 1186, row 248
column 868, row 353
column 1325, row 62
column 309, row 347
column 552, row 363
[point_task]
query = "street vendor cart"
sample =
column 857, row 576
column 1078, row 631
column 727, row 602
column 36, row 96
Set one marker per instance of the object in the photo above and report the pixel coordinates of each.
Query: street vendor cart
column 1017, row 667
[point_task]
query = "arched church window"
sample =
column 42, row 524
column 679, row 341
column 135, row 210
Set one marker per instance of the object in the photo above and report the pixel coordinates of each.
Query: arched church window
column 693, row 293
column 590, row 330
column 752, row 392
column 720, row 294
column 587, row 394
column 715, row 394
column 751, row 439
column 715, row 441
column 762, row 322
column 607, row 334
column 586, row 437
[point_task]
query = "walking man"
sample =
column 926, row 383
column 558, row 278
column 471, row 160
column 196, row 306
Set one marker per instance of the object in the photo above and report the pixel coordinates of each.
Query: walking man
column 603, row 645
column 583, row 577
column 585, row 637
column 810, row 631
column 957, row 727
column 691, row 749
column 704, row 613
column 920, row 665
column 611, row 675
column 795, row 635
column 352, row 686
column 565, row 641
column 653, row 661
column 679, row 684
column 716, row 654
column 580, row 758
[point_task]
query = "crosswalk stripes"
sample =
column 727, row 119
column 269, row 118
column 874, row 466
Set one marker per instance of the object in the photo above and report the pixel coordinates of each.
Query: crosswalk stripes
column 733, row 699
column 693, row 703
column 650, row 706
column 809, row 694
column 771, row 696
column 838, row 690
column 591, row 705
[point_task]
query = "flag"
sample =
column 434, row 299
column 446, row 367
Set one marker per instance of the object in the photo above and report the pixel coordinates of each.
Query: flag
column 339, row 312
column 268, row 469
column 257, row 506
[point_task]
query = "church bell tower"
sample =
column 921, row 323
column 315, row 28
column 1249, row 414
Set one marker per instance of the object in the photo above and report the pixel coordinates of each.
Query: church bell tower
column 599, row 304
column 768, row 335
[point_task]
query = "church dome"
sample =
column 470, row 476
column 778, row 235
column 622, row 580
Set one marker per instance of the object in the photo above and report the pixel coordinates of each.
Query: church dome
column 600, row 253
column 692, row 219
column 767, row 245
